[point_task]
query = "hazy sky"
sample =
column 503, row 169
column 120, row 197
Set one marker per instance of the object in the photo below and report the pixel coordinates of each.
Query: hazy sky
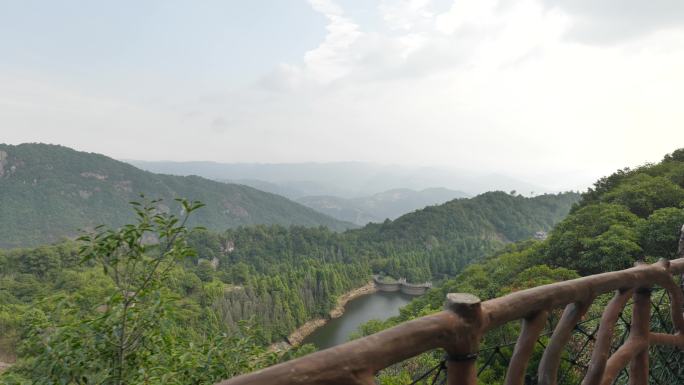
column 555, row 91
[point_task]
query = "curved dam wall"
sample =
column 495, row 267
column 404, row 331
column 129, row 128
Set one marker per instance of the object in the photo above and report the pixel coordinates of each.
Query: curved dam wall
column 402, row 285
column 415, row 289
column 384, row 286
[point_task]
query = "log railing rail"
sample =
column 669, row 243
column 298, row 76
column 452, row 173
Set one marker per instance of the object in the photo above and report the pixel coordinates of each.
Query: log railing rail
column 460, row 327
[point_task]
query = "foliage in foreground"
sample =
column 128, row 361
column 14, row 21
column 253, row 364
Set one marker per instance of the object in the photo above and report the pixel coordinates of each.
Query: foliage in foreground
column 139, row 333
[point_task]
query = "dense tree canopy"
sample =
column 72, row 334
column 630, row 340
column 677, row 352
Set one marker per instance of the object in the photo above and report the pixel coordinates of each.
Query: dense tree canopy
column 254, row 285
column 628, row 216
column 249, row 286
column 207, row 306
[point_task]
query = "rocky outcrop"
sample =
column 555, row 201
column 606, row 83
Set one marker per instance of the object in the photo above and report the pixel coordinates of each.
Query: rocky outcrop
column 234, row 210
column 124, row 185
column 85, row 194
column 94, row 175
column 4, row 366
column 3, row 162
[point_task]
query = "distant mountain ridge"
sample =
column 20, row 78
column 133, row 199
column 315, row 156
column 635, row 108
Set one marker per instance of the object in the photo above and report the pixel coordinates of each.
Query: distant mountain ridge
column 342, row 179
column 390, row 204
column 48, row 192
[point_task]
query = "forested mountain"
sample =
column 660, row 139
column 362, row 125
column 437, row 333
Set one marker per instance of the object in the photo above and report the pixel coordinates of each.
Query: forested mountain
column 496, row 216
column 249, row 286
column 378, row 207
column 49, row 192
column 273, row 278
column 633, row 214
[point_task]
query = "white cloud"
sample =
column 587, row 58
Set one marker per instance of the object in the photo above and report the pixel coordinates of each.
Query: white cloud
column 481, row 84
column 614, row 21
column 333, row 58
column 485, row 82
column 406, row 14
column 475, row 15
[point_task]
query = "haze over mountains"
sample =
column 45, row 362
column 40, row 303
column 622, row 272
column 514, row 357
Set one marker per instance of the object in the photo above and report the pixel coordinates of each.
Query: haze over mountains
column 325, row 143
column 49, row 192
column 358, row 192
column 343, row 179
column 390, row 204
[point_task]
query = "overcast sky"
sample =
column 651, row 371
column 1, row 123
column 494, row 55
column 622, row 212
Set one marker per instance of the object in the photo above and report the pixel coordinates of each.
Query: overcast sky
column 554, row 91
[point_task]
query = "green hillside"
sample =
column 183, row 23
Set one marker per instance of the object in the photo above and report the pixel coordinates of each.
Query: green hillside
column 245, row 287
column 495, row 216
column 633, row 214
column 48, row 192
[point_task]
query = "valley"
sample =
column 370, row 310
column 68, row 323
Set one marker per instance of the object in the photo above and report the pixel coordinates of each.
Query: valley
column 329, row 192
column 271, row 284
column 261, row 281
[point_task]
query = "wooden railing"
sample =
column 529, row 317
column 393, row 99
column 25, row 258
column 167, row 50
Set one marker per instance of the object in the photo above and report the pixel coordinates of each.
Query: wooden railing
column 460, row 327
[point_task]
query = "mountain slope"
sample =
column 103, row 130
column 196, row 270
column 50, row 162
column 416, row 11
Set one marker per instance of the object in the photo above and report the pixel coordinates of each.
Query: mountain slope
column 630, row 215
column 275, row 277
column 48, row 192
column 494, row 215
column 437, row 241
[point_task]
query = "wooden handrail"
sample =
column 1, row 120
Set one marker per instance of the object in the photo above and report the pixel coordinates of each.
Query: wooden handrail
column 460, row 327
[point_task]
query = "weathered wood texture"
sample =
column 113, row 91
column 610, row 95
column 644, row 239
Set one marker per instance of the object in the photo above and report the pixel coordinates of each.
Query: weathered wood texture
column 548, row 366
column 524, row 347
column 460, row 327
column 461, row 368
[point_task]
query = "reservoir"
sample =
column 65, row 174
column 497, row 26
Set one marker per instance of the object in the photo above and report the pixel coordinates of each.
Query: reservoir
column 379, row 305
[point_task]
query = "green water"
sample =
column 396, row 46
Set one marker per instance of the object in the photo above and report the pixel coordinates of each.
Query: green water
column 378, row 305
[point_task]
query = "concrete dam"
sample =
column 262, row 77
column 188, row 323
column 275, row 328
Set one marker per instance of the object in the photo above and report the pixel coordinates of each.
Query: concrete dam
column 402, row 286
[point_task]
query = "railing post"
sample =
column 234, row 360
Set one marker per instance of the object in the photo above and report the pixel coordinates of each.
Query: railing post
column 461, row 367
column 532, row 327
column 641, row 324
column 680, row 254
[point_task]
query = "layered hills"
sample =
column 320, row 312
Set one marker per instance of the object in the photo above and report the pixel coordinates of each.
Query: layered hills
column 246, row 287
column 343, row 179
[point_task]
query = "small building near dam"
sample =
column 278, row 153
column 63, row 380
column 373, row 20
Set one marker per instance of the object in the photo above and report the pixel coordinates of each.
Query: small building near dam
column 401, row 285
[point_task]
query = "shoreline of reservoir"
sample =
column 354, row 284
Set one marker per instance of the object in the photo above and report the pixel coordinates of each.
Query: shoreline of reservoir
column 296, row 337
